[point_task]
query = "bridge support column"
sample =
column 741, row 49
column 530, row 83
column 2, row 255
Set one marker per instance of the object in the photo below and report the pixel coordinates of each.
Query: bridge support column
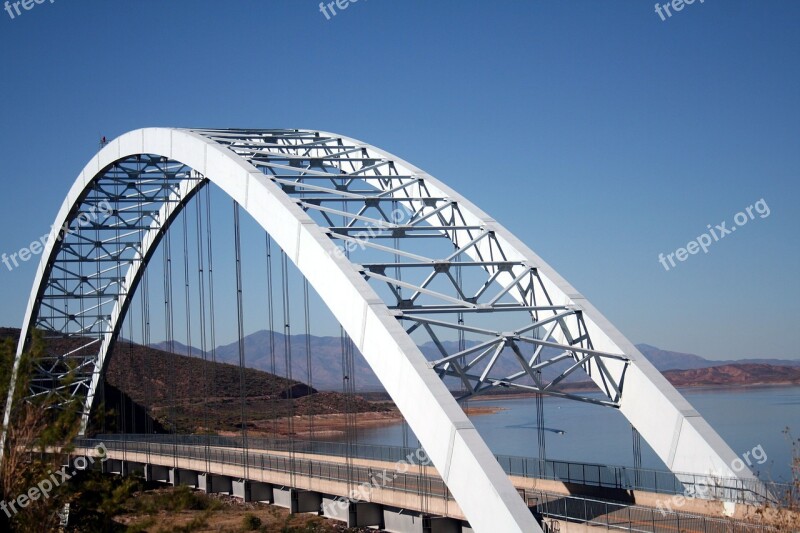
column 297, row 501
column 132, row 468
column 405, row 521
column 261, row 492
column 355, row 514
column 211, row 483
column 241, row 489
column 185, row 477
column 306, row 501
column 440, row 524
column 336, row 509
column 283, row 497
column 115, row 466
column 162, row 474
column 81, row 462
column 364, row 514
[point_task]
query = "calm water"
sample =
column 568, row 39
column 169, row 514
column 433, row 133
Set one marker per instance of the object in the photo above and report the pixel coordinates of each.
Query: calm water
column 745, row 418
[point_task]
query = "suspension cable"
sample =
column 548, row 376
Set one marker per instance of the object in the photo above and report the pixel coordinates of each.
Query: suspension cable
column 637, row 454
column 309, row 373
column 287, row 347
column 398, row 272
column 347, row 377
column 145, row 311
column 168, row 321
column 271, row 319
column 540, row 431
column 211, row 308
column 201, row 284
column 186, row 285
column 344, row 340
column 240, row 326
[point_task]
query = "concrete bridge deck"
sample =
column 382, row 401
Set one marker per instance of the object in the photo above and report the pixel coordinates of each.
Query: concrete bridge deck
column 402, row 495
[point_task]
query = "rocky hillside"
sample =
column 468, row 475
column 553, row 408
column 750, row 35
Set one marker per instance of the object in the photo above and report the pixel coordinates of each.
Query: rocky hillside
column 195, row 395
column 747, row 374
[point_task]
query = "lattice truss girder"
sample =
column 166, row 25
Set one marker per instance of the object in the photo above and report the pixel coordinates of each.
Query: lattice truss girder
column 408, row 255
column 94, row 250
column 443, row 273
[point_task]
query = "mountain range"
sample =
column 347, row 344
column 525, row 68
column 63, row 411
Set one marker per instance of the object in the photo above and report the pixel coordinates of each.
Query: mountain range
column 326, row 361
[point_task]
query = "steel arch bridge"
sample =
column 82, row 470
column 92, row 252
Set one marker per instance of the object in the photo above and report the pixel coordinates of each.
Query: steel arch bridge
column 433, row 263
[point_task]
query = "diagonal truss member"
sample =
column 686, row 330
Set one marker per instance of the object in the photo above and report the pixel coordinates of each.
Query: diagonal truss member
column 431, row 290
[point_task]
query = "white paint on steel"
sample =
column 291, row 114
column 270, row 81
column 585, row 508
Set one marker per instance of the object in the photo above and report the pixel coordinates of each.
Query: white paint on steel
column 466, row 464
column 664, row 418
column 677, row 433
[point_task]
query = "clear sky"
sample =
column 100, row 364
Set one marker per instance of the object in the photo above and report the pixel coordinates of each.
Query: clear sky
column 599, row 133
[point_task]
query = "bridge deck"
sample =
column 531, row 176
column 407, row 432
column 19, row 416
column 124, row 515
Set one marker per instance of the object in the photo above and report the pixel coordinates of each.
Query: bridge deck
column 415, row 487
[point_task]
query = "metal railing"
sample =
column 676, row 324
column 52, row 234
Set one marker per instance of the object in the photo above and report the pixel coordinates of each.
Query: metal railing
column 591, row 474
column 617, row 516
column 608, row 514
column 413, row 482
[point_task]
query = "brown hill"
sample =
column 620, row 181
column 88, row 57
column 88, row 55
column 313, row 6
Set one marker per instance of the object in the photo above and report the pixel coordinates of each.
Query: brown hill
column 748, row 374
column 734, row 375
column 194, row 395
column 206, row 396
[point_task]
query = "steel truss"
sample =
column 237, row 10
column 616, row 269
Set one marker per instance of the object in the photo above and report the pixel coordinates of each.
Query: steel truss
column 400, row 259
column 364, row 202
column 103, row 236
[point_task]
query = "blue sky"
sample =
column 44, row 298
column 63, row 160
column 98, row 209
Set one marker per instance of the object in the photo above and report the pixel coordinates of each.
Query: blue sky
column 598, row 133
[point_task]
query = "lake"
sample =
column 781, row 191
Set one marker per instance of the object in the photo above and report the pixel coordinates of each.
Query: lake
column 746, row 418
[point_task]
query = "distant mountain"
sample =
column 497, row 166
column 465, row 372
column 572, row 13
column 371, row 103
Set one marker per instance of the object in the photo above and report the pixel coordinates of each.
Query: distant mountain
column 326, row 359
column 728, row 375
column 177, row 348
column 666, row 360
column 747, row 374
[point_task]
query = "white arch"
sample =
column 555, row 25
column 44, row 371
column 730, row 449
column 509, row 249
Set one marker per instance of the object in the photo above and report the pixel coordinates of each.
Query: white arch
column 467, row 466
column 677, row 433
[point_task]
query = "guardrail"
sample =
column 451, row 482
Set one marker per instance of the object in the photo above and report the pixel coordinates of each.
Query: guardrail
column 616, row 516
column 611, row 515
column 592, row 474
column 418, row 483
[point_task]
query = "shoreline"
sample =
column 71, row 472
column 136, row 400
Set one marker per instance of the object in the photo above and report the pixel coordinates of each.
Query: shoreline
column 707, row 387
column 335, row 425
